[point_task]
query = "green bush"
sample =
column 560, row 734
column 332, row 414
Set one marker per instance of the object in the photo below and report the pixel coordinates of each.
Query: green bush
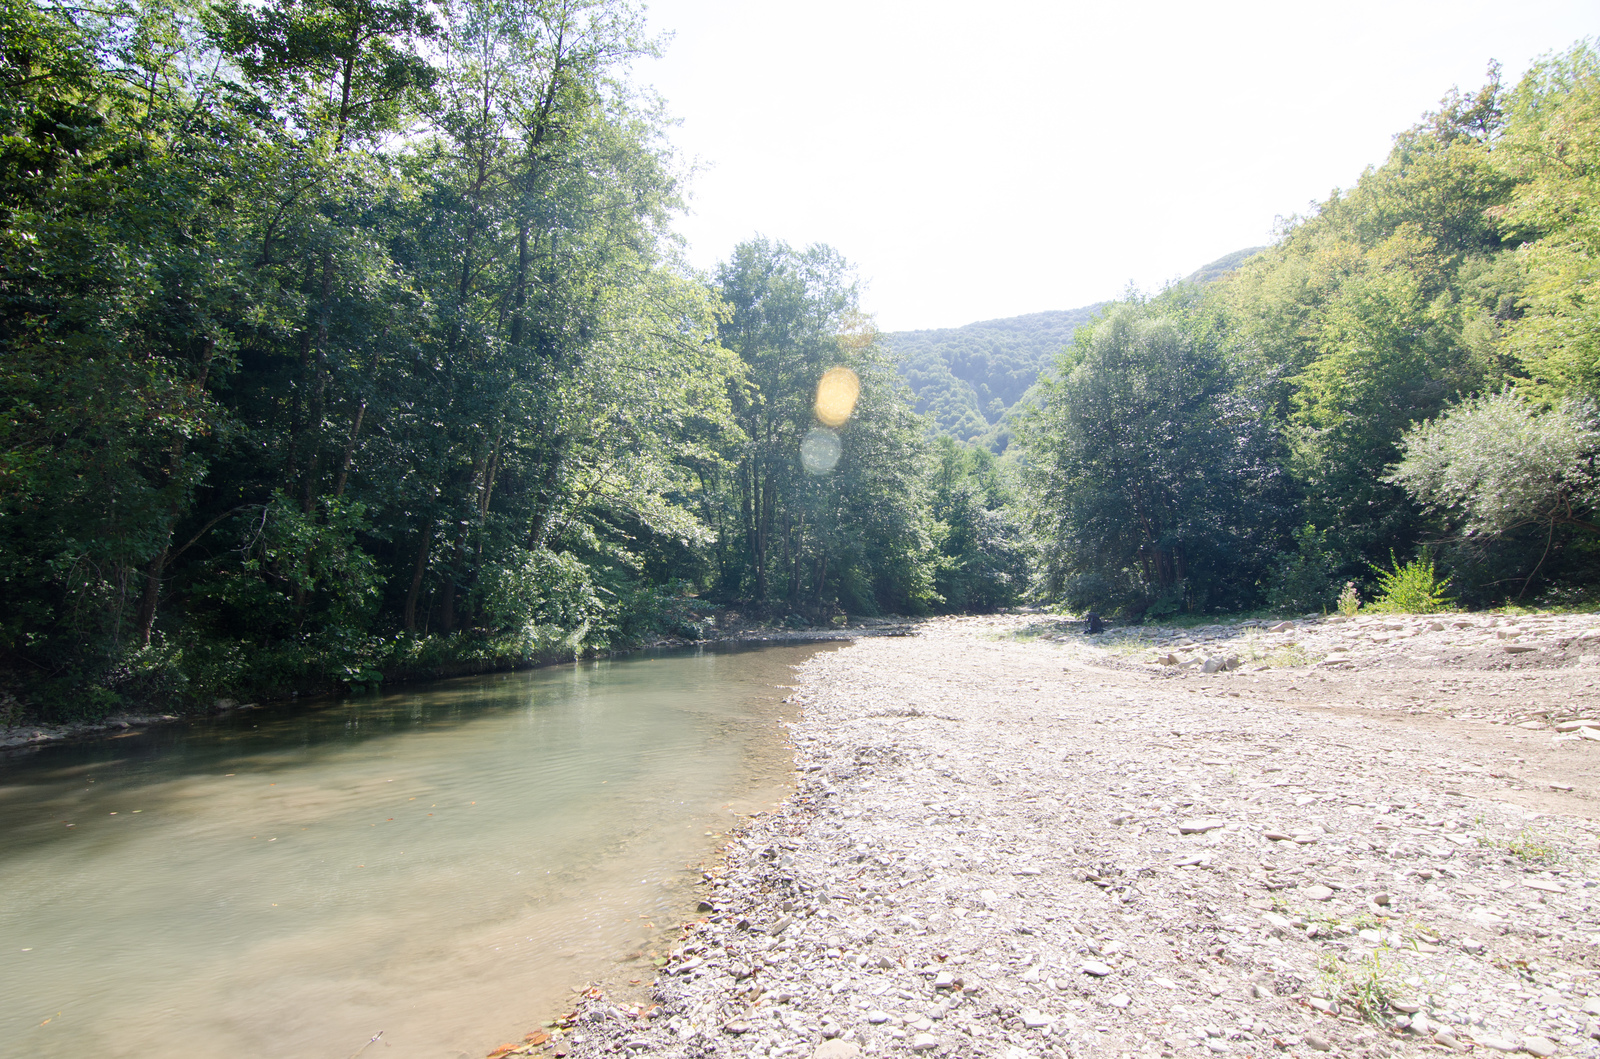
column 1303, row 579
column 1410, row 589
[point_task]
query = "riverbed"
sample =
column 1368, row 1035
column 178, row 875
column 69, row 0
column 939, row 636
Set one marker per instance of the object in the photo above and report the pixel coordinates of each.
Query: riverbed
column 438, row 865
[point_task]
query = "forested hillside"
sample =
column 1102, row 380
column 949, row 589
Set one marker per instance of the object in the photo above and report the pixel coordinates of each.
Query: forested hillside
column 969, row 380
column 1407, row 382
column 966, row 378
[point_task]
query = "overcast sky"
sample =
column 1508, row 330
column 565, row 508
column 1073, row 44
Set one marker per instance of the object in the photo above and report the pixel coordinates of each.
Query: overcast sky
column 980, row 161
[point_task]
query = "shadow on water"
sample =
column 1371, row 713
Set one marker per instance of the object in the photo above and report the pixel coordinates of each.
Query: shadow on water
column 439, row 863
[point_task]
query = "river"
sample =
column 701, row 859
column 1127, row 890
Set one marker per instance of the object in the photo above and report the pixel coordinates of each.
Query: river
column 439, row 864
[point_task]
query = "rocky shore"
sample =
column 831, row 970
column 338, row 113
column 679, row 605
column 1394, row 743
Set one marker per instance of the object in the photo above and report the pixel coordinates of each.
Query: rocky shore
column 1361, row 838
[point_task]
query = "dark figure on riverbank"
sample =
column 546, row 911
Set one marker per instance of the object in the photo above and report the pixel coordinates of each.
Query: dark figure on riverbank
column 1093, row 621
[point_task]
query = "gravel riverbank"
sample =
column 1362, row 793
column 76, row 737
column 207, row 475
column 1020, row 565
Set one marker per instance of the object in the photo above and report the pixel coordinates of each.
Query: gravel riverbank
column 1010, row 840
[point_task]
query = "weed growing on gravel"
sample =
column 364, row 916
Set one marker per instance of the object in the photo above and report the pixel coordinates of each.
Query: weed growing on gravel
column 1032, row 631
column 1134, row 644
column 1251, row 649
column 1533, row 848
column 1367, row 985
column 1526, row 846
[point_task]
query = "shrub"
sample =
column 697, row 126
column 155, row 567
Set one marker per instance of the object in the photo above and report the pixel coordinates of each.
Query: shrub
column 1410, row 589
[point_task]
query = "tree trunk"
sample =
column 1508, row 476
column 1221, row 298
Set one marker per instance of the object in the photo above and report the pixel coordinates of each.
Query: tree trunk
column 319, row 385
column 349, row 450
column 152, row 594
column 151, row 599
column 417, row 573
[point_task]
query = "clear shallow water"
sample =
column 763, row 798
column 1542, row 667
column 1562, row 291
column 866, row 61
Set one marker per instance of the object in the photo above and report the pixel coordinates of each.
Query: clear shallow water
column 438, row 864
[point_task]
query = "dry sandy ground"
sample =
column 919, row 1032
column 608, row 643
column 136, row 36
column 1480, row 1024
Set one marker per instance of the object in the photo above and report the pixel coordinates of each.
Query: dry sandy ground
column 1011, row 840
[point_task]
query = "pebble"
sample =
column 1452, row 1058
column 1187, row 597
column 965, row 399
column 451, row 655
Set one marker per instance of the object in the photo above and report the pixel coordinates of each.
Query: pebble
column 1096, row 968
column 1318, row 892
column 1540, row 1046
column 836, row 1049
column 924, row 1042
column 1317, row 1042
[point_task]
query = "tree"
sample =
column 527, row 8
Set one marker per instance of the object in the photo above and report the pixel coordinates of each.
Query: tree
column 855, row 530
column 983, row 545
column 1497, row 463
column 1371, row 314
column 1551, row 150
column 1154, row 483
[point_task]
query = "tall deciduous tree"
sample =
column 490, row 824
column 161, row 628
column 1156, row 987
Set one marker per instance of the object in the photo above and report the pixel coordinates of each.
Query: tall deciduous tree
column 1154, row 480
column 856, row 530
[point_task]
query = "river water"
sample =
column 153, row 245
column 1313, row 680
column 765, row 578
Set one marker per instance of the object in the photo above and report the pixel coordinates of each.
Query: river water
column 440, row 865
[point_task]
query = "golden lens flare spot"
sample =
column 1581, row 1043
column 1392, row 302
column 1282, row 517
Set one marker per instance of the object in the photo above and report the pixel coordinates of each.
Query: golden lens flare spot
column 837, row 392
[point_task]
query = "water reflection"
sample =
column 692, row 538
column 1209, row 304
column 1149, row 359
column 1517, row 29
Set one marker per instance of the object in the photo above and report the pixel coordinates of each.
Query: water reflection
column 439, row 865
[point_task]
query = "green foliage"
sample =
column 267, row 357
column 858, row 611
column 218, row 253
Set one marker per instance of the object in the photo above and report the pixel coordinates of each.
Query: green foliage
column 1153, row 475
column 983, row 546
column 1414, row 588
column 1304, row 579
column 1349, row 599
column 1551, row 154
column 1498, row 462
column 975, row 382
column 858, row 534
column 547, row 598
column 966, row 379
column 1369, row 315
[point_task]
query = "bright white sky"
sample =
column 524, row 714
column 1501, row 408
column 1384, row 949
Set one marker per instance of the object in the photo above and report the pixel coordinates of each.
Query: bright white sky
column 980, row 161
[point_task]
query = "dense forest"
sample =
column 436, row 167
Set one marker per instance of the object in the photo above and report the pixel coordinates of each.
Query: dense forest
column 348, row 340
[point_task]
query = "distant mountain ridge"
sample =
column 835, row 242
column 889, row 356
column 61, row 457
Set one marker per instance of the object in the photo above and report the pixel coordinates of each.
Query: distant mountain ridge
column 967, row 378
column 970, row 378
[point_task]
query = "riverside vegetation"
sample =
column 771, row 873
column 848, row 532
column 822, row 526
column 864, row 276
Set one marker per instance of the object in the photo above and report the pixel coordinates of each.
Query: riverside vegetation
column 349, row 340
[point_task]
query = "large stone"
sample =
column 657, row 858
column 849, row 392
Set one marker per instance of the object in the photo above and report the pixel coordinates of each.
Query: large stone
column 1201, row 826
column 1096, row 968
column 1499, row 1044
column 837, row 1050
column 924, row 1042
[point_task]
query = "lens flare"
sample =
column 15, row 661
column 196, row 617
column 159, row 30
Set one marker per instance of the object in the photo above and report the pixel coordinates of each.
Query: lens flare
column 837, row 392
column 819, row 452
